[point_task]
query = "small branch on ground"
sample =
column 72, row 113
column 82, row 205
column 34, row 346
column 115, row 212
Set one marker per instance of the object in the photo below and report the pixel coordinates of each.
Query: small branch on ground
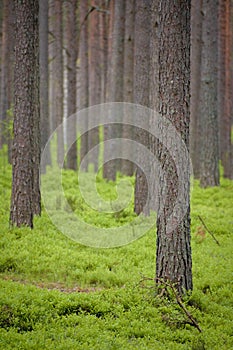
column 211, row 233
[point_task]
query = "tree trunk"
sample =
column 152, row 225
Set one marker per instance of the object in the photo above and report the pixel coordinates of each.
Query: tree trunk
column 127, row 131
column 209, row 170
column 142, row 95
column 83, row 77
column 7, row 54
column 94, row 83
column 173, row 255
column 57, row 76
column 196, row 37
column 24, row 200
column 225, row 81
column 44, row 75
column 115, row 93
column 71, row 51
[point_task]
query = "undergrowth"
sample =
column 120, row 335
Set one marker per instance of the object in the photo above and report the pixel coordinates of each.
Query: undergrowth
column 58, row 294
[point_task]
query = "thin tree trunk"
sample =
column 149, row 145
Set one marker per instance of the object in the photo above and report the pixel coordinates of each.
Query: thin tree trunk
column 196, row 47
column 173, row 255
column 142, row 95
column 127, row 131
column 44, row 76
column 71, row 50
column 209, row 169
column 225, row 81
column 84, row 77
column 115, row 85
column 94, row 83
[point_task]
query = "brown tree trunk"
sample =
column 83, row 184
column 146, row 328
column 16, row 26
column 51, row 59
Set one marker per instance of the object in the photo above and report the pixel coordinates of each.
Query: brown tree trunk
column 57, row 75
column 209, row 169
column 7, row 54
column 24, row 200
column 142, row 95
column 127, row 131
column 83, row 77
column 196, row 47
column 225, row 81
column 71, row 51
column 173, row 256
column 44, row 76
column 94, row 82
column 115, row 77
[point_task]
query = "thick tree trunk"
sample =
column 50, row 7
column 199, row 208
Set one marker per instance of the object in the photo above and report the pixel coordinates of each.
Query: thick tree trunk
column 44, row 75
column 83, row 77
column 115, row 77
column 71, row 50
column 225, row 105
column 25, row 153
column 173, row 256
column 196, row 47
column 142, row 95
column 209, row 170
column 127, row 131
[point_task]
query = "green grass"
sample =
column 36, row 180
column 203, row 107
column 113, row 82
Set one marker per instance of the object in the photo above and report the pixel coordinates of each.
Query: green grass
column 58, row 294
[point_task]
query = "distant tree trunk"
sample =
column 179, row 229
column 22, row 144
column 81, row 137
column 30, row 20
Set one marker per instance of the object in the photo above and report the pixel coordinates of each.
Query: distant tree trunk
column 57, row 77
column 225, row 105
column 127, row 131
column 141, row 94
column 25, row 152
column 44, row 76
column 115, row 84
column 71, row 50
column 94, row 82
column 209, row 169
column 196, row 47
column 173, row 256
column 83, row 76
column 104, row 47
column 6, row 72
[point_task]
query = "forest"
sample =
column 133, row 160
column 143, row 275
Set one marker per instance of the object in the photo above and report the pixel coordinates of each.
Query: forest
column 116, row 174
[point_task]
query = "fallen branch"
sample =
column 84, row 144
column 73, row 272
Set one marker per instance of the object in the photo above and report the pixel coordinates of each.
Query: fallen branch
column 211, row 233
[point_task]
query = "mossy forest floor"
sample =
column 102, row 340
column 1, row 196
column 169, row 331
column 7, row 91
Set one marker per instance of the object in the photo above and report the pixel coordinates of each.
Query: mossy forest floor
column 58, row 294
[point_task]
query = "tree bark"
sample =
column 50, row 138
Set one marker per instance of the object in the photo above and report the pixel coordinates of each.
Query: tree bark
column 142, row 95
column 127, row 131
column 44, row 75
column 173, row 255
column 196, row 47
column 209, row 170
column 94, row 82
column 71, row 51
column 25, row 153
column 225, row 105
column 84, row 77
column 115, row 93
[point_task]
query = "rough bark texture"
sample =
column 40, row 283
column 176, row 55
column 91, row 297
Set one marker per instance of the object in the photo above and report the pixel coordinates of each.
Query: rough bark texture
column 209, row 170
column 173, row 255
column 196, row 47
column 71, row 51
column 24, row 159
column 115, row 91
column 94, row 82
column 225, row 81
column 44, row 75
column 83, row 76
column 141, row 93
column 127, row 131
